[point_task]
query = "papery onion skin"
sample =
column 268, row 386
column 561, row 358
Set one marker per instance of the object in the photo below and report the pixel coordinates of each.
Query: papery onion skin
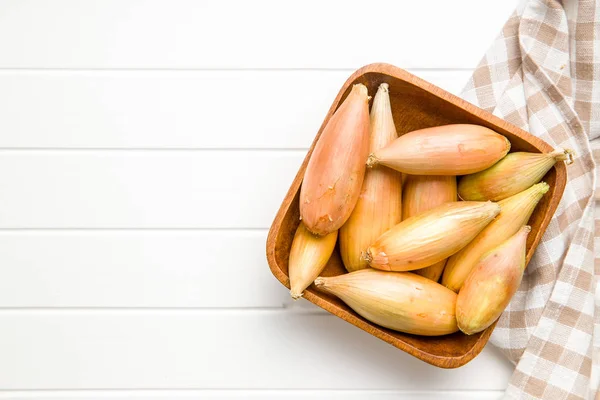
column 491, row 284
column 308, row 257
column 457, row 149
column 379, row 205
column 336, row 169
column 400, row 301
column 422, row 193
column 430, row 237
column 513, row 174
column 515, row 212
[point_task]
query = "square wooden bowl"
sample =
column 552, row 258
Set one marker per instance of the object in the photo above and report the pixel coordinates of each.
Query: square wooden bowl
column 416, row 104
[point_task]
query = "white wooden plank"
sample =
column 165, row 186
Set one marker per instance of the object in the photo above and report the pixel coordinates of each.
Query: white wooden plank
column 255, row 394
column 216, row 350
column 240, row 34
column 173, row 109
column 140, row 189
column 215, row 269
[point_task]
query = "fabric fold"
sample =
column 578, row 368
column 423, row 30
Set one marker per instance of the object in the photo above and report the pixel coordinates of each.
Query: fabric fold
column 543, row 74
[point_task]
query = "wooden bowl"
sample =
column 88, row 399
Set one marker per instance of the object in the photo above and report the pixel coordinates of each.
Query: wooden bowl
column 416, row 104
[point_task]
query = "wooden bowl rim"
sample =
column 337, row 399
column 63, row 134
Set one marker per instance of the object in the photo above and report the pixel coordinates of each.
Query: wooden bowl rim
column 400, row 74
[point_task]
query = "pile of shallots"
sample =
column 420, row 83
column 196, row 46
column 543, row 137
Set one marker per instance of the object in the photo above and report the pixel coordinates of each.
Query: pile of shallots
column 393, row 204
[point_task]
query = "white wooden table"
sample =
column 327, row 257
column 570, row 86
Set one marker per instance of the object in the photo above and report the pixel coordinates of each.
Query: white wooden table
column 145, row 147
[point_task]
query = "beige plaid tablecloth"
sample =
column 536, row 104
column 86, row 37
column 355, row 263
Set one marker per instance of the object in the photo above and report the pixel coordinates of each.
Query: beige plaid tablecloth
column 543, row 74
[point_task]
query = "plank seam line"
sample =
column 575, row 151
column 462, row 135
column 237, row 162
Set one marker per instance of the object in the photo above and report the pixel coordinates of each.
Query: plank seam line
column 146, row 309
column 332, row 390
column 219, row 69
column 130, row 229
column 284, row 309
column 157, row 149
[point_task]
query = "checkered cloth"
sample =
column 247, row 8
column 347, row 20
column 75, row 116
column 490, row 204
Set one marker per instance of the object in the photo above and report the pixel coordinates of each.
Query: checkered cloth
column 543, row 74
